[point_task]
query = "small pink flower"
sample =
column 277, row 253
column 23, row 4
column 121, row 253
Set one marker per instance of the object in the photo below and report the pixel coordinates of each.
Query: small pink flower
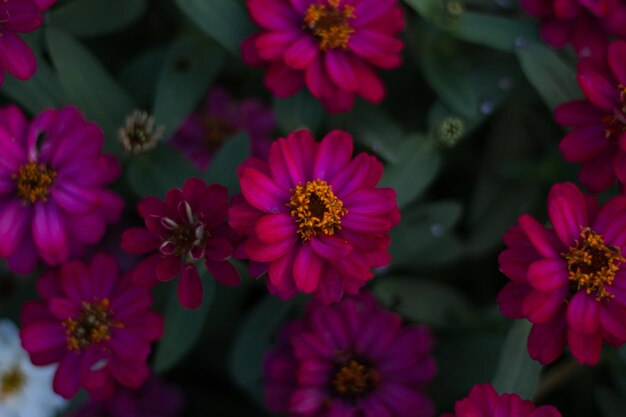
column 189, row 226
column 97, row 325
column 568, row 280
column 204, row 131
column 588, row 25
column 314, row 216
column 598, row 140
column 350, row 359
column 484, row 401
column 330, row 46
column 19, row 16
column 54, row 199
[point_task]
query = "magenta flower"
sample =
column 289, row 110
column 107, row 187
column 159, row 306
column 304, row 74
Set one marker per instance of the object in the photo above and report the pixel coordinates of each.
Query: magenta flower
column 53, row 179
column 204, row 132
column 19, row 16
column 96, row 324
column 189, row 226
column 154, row 398
column 350, row 359
column 588, row 25
column 484, row 401
column 598, row 140
column 314, row 216
column 330, row 46
column 569, row 281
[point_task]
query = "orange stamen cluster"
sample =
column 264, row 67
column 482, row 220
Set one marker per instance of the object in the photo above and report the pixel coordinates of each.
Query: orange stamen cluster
column 354, row 379
column 93, row 325
column 592, row 264
column 33, row 182
column 316, row 209
column 330, row 23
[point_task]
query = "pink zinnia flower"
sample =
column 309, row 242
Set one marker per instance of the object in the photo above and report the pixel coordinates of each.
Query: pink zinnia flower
column 189, row 226
column 570, row 280
column 588, row 25
column 154, row 398
column 19, row 16
column 598, row 140
column 350, row 359
column 53, row 179
column 314, row 215
column 96, row 324
column 204, row 132
column 330, row 46
column 484, row 401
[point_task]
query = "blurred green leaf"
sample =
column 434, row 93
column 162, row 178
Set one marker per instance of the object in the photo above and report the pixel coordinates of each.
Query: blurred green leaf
column 255, row 338
column 90, row 18
column 493, row 31
column 429, row 9
column 89, row 85
column 553, row 78
column 182, row 326
column 299, row 111
column 43, row 90
column 376, row 130
column 190, row 68
column 517, row 372
column 226, row 21
column 139, row 77
column 159, row 170
column 422, row 301
column 415, row 169
column 463, row 360
column 223, row 167
column 610, row 403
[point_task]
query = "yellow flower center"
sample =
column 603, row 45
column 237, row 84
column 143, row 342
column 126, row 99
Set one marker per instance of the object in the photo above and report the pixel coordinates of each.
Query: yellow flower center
column 33, row 182
column 354, row 379
column 592, row 264
column 93, row 325
column 330, row 23
column 11, row 382
column 316, row 209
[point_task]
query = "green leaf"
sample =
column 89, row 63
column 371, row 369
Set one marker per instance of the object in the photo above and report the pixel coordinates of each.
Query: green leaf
column 553, row 78
column 492, row 31
column 416, row 168
column 433, row 10
column 89, row 85
column 139, row 77
column 156, row 172
column 90, row 18
column 223, row 167
column 610, row 403
column 517, row 372
column 43, row 90
column 376, row 130
column 226, row 21
column 423, row 301
column 191, row 66
column 182, row 327
column 300, row 111
column 253, row 342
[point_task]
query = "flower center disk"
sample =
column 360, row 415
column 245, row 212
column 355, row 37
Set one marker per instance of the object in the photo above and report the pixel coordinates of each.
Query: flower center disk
column 186, row 238
column 217, row 132
column 330, row 23
column 316, row 209
column 33, row 182
column 354, row 379
column 11, row 382
column 615, row 123
column 93, row 325
column 592, row 264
